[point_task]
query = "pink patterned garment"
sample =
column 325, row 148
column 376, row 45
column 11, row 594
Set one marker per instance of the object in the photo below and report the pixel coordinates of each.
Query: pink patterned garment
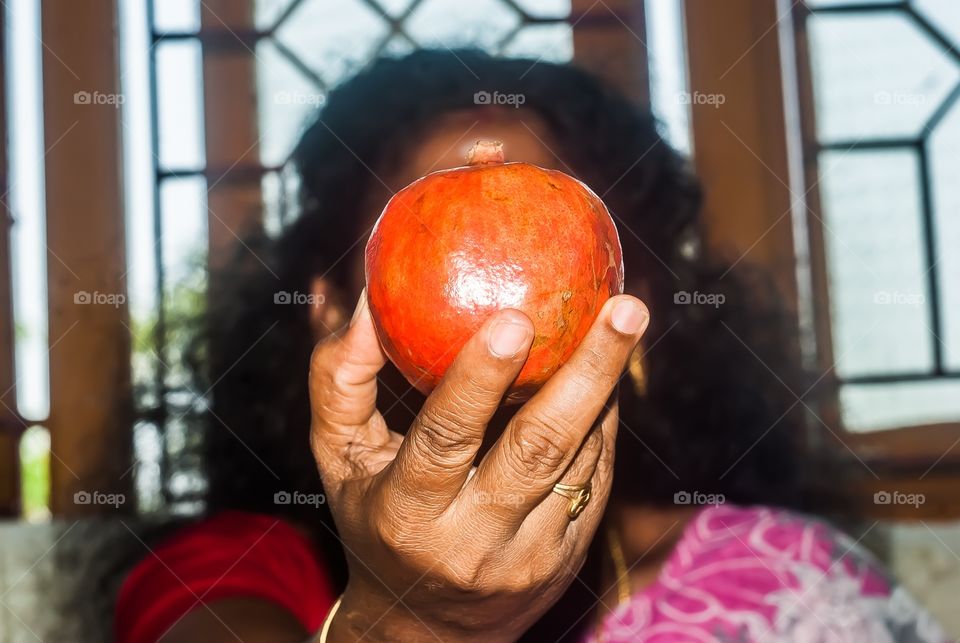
column 757, row 574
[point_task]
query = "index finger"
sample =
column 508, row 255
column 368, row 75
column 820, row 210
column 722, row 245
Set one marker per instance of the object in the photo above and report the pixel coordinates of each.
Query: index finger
column 439, row 449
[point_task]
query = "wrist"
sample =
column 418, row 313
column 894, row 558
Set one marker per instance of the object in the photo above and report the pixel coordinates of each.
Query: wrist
column 368, row 615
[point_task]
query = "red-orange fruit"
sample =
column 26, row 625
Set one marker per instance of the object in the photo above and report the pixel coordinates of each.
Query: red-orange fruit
column 457, row 245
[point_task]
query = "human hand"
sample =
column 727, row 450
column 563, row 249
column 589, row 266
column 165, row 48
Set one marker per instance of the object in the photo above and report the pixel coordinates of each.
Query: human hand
column 433, row 551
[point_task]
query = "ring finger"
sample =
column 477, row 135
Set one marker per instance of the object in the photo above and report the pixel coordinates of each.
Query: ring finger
column 572, row 495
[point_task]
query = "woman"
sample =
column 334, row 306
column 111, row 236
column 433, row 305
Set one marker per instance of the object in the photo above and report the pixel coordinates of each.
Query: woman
column 435, row 550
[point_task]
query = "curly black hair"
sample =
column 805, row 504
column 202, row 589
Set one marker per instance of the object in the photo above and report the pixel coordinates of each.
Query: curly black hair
column 719, row 413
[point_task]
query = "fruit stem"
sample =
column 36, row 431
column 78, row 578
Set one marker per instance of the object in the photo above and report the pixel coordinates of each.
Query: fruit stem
column 485, row 153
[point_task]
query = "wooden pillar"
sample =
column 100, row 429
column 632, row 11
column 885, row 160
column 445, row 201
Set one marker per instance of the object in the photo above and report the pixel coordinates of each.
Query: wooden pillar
column 90, row 419
column 610, row 40
column 10, row 427
column 230, row 112
column 741, row 136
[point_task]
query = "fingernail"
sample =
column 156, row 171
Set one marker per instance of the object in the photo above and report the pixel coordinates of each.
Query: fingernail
column 507, row 338
column 361, row 304
column 628, row 317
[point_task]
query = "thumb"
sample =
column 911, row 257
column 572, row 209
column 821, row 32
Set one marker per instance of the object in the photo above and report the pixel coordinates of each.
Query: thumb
column 343, row 381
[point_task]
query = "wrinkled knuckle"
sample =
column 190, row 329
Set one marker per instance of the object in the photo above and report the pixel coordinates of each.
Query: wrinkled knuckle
column 539, row 446
column 596, row 368
column 440, row 430
column 471, row 393
column 329, row 374
column 343, row 378
column 469, row 580
column 528, row 579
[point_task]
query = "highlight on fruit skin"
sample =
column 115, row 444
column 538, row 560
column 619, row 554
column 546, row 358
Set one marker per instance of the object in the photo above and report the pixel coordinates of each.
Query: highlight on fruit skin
column 456, row 245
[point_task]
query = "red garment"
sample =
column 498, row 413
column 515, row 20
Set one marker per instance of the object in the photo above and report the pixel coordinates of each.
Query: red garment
column 230, row 554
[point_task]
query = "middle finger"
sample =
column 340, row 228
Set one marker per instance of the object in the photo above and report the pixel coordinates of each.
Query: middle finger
column 542, row 439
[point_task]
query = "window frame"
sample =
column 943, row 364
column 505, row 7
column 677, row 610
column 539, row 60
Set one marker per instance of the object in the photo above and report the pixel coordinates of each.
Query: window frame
column 90, row 415
column 782, row 176
column 886, row 448
column 919, row 458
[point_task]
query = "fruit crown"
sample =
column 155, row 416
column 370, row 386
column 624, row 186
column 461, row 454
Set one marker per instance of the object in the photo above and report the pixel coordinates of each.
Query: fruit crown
column 485, row 153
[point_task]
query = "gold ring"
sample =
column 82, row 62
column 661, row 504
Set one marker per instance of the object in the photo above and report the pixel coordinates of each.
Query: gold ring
column 579, row 495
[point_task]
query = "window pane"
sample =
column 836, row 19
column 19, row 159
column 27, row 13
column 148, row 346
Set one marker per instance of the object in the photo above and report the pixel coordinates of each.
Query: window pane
column 668, row 75
column 552, row 43
column 179, row 105
column 945, row 168
column 35, row 473
column 139, row 186
column 333, row 38
column 267, row 12
column 287, row 99
column 183, row 208
column 871, row 207
column 184, row 223
column 454, row 23
column 888, row 406
column 27, row 206
column 945, row 14
column 175, row 15
column 875, row 75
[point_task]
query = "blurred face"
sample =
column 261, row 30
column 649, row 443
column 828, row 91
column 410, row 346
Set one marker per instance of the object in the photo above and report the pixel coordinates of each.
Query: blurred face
column 523, row 133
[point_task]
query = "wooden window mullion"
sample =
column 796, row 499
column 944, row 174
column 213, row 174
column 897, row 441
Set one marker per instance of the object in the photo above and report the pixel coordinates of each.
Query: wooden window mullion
column 90, row 392
column 231, row 127
column 610, row 40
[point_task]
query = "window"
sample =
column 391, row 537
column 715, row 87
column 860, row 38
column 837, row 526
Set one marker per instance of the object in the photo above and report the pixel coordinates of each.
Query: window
column 886, row 83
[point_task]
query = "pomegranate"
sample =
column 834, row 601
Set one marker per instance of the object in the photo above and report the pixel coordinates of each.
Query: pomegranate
column 457, row 245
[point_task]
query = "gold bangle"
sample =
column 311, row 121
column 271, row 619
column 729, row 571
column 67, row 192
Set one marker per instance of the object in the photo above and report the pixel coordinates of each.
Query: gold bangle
column 322, row 638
